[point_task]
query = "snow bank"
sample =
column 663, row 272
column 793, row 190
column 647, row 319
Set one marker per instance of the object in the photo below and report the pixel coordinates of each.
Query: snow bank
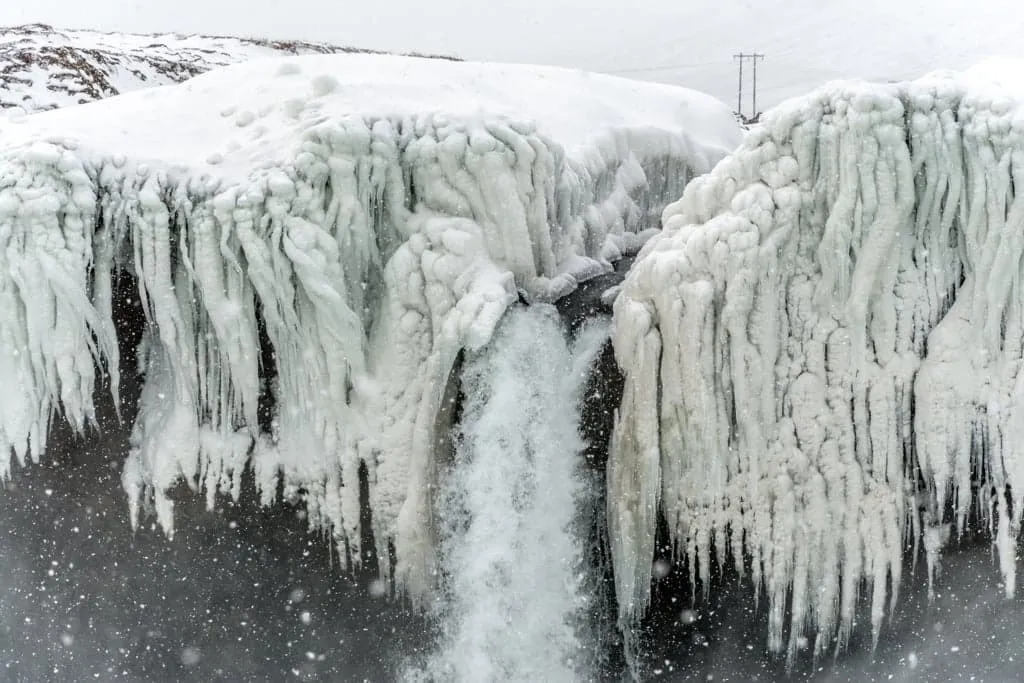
column 823, row 353
column 372, row 215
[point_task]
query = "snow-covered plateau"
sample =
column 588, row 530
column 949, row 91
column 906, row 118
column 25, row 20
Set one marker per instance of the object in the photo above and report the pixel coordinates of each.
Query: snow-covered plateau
column 314, row 241
column 823, row 354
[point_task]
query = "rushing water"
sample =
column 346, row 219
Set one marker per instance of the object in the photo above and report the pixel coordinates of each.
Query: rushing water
column 512, row 602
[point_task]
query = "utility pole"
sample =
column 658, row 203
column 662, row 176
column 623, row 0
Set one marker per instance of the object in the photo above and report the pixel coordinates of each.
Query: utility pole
column 756, row 57
column 739, row 90
column 753, row 57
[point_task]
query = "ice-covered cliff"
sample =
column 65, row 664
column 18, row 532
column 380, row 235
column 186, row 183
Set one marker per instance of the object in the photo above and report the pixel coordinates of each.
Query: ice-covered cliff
column 823, row 354
column 314, row 240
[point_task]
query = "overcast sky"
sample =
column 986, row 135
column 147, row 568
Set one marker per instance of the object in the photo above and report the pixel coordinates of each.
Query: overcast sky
column 805, row 42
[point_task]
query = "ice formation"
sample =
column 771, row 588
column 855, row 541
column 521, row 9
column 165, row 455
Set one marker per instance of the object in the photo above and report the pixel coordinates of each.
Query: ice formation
column 822, row 354
column 370, row 215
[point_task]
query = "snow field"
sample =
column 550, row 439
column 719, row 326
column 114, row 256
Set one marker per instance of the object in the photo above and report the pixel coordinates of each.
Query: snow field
column 822, row 353
column 46, row 68
column 373, row 214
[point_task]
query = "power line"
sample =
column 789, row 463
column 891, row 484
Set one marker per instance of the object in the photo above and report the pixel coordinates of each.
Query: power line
column 754, row 57
column 669, row 67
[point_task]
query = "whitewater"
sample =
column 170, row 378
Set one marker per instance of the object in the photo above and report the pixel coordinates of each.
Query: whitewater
column 509, row 515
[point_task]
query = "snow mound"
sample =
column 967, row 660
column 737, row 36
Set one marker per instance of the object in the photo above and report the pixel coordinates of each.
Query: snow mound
column 44, row 68
column 823, row 353
column 1004, row 73
column 368, row 216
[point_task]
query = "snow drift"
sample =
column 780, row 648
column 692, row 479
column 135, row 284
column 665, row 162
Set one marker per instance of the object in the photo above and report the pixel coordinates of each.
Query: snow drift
column 823, row 354
column 368, row 216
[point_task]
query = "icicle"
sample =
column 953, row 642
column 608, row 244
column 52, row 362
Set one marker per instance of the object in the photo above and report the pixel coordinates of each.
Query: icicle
column 48, row 323
column 633, row 468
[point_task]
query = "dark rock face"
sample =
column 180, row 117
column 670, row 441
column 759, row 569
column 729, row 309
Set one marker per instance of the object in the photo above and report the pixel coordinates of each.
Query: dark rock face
column 601, row 398
column 585, row 302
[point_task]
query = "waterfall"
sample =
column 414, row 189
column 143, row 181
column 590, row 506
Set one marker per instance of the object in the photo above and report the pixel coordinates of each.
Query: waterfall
column 508, row 506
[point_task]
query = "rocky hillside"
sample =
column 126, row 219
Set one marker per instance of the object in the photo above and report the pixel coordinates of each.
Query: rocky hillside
column 43, row 68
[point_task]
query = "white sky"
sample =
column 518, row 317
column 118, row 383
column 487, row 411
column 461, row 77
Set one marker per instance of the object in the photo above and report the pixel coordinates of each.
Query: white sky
column 805, row 42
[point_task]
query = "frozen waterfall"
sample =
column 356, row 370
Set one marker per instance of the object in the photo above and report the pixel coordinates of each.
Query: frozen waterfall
column 822, row 349
column 511, row 552
column 823, row 355
column 311, row 255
